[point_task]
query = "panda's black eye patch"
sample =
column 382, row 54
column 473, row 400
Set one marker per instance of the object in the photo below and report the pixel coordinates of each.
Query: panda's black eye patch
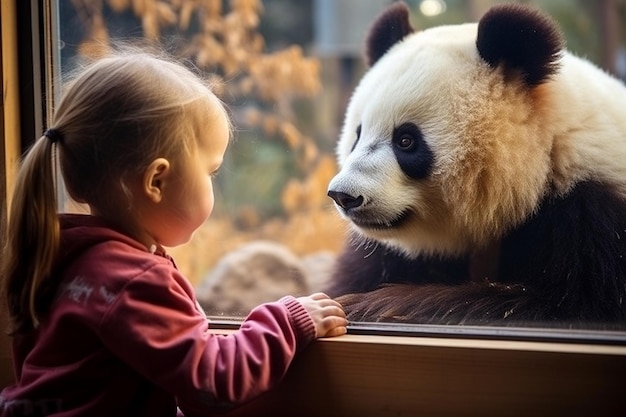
column 358, row 136
column 412, row 152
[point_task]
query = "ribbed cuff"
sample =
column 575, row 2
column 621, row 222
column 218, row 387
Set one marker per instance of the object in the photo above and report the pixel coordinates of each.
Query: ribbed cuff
column 301, row 320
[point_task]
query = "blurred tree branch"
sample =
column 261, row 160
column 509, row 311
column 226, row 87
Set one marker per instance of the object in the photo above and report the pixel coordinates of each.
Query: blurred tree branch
column 221, row 38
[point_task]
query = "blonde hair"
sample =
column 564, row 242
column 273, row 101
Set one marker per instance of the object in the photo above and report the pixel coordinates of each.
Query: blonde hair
column 116, row 116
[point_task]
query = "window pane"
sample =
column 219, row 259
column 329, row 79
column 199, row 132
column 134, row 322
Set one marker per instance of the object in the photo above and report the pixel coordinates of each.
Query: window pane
column 287, row 70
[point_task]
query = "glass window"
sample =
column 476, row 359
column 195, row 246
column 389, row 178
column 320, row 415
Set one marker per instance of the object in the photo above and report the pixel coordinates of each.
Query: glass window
column 287, row 70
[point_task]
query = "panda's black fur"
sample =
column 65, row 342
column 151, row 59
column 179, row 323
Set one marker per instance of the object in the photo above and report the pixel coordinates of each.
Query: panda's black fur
column 562, row 263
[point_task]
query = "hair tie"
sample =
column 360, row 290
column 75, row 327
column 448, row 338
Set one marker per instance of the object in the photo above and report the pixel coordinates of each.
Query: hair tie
column 53, row 135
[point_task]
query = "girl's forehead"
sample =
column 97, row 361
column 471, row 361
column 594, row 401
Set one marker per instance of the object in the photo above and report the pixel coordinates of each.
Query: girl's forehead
column 214, row 134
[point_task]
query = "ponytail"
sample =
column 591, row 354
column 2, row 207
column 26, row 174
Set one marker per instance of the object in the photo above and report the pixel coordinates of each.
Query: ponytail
column 32, row 237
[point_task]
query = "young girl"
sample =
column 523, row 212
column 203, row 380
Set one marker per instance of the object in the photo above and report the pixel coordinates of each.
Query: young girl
column 103, row 323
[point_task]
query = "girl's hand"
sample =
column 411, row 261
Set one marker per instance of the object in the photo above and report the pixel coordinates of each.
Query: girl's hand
column 327, row 314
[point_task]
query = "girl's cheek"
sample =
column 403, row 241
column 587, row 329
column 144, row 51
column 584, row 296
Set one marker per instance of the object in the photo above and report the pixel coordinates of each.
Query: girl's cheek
column 210, row 199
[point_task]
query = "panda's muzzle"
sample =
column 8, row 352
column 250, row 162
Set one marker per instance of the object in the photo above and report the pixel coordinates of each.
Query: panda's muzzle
column 363, row 218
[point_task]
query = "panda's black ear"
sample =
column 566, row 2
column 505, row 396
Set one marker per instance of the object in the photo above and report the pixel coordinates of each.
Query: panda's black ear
column 522, row 39
column 390, row 26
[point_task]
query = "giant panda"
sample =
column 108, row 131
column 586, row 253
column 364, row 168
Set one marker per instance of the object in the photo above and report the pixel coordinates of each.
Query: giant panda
column 482, row 171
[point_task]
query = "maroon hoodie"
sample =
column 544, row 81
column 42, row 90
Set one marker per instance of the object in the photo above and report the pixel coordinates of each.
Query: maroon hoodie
column 125, row 337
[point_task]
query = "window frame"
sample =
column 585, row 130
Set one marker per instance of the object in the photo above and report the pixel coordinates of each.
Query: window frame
column 375, row 370
column 9, row 150
column 370, row 375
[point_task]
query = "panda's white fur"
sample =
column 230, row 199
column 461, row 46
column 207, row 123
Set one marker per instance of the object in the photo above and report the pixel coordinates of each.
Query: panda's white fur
column 500, row 145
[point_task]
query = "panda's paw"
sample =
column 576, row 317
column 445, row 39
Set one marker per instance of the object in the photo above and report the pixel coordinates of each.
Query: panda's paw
column 469, row 304
column 391, row 303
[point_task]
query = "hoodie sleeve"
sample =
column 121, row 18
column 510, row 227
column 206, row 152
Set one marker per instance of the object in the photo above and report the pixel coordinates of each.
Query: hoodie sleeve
column 155, row 327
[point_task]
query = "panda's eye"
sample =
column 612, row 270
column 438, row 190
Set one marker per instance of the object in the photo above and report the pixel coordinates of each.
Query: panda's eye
column 406, row 143
column 407, row 138
column 411, row 150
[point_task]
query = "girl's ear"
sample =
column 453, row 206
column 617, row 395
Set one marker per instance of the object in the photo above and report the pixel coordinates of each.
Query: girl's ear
column 155, row 177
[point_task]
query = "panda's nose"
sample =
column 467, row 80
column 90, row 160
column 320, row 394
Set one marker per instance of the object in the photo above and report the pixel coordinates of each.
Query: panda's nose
column 345, row 201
